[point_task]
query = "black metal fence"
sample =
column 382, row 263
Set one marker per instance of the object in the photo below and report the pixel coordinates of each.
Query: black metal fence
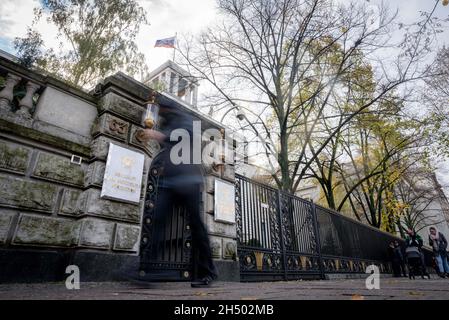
column 284, row 237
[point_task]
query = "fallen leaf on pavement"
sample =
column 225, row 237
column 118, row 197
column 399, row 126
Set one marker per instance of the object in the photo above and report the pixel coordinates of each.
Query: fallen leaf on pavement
column 414, row 293
column 357, row 297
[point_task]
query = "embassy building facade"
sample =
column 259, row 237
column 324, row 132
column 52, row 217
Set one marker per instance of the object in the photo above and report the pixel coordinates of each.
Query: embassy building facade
column 78, row 182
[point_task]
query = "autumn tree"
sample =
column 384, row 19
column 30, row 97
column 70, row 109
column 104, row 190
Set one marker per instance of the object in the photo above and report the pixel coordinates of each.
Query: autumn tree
column 96, row 38
column 380, row 155
column 290, row 60
column 415, row 196
column 436, row 97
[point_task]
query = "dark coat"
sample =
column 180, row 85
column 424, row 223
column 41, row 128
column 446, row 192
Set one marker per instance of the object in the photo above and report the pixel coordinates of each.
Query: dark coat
column 183, row 175
column 441, row 245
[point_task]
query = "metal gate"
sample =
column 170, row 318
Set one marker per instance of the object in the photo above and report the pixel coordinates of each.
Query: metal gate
column 170, row 258
column 283, row 237
column 277, row 234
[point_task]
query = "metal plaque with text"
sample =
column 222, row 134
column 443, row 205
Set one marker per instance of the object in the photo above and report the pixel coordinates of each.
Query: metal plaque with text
column 224, row 201
column 123, row 175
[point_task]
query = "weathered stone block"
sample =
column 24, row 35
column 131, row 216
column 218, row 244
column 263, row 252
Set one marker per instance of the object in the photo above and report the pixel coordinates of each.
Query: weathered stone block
column 135, row 138
column 218, row 228
column 14, row 117
column 229, row 173
column 114, row 103
column 96, row 233
column 73, row 202
column 16, row 192
column 14, row 157
column 110, row 125
column 212, row 170
column 100, row 147
column 49, row 231
column 95, row 174
column 6, row 217
column 58, row 168
column 127, row 238
column 110, row 209
column 209, row 162
column 61, row 137
column 216, row 246
column 229, row 249
column 209, row 203
column 66, row 111
column 210, row 184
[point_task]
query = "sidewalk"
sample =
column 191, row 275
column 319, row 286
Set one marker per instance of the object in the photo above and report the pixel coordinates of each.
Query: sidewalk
column 353, row 289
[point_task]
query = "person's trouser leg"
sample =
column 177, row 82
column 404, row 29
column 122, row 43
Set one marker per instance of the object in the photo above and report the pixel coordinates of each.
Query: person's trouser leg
column 439, row 263
column 396, row 270
column 445, row 263
column 403, row 269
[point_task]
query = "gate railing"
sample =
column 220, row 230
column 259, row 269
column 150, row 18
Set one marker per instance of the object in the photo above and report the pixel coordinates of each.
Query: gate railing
column 283, row 237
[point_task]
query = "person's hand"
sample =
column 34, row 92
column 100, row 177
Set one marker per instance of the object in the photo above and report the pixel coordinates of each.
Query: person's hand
column 152, row 134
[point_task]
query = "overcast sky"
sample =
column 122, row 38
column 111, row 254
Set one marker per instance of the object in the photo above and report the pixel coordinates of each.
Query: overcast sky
column 170, row 16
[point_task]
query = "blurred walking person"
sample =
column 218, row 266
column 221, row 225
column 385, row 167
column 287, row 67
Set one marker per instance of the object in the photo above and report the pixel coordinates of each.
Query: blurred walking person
column 181, row 183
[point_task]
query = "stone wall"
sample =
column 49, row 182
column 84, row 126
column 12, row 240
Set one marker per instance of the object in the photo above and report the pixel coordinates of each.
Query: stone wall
column 50, row 206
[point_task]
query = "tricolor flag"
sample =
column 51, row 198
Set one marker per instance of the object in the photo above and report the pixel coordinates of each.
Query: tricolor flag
column 166, row 43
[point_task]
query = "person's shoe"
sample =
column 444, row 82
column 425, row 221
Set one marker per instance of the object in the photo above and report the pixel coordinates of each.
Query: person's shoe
column 203, row 282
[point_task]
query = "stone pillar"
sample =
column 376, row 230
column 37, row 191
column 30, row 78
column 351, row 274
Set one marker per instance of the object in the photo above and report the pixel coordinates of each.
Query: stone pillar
column 7, row 94
column 176, row 85
column 187, row 94
column 26, row 103
column 195, row 96
column 166, row 81
column 223, row 235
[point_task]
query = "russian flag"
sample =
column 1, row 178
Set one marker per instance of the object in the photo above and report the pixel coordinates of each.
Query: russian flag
column 165, row 43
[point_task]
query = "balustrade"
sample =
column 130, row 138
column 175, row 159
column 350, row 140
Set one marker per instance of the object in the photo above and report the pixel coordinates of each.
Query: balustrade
column 12, row 86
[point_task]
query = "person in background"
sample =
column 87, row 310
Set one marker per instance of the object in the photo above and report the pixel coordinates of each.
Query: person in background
column 413, row 240
column 394, row 260
column 400, row 258
column 438, row 243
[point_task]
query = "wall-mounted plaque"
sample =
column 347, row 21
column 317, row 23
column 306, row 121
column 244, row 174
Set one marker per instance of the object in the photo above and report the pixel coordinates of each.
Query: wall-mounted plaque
column 224, row 210
column 123, row 175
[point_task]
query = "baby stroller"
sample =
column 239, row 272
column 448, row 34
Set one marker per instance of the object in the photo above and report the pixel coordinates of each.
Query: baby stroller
column 415, row 262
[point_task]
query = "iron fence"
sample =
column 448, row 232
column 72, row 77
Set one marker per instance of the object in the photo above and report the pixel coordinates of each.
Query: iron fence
column 283, row 237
